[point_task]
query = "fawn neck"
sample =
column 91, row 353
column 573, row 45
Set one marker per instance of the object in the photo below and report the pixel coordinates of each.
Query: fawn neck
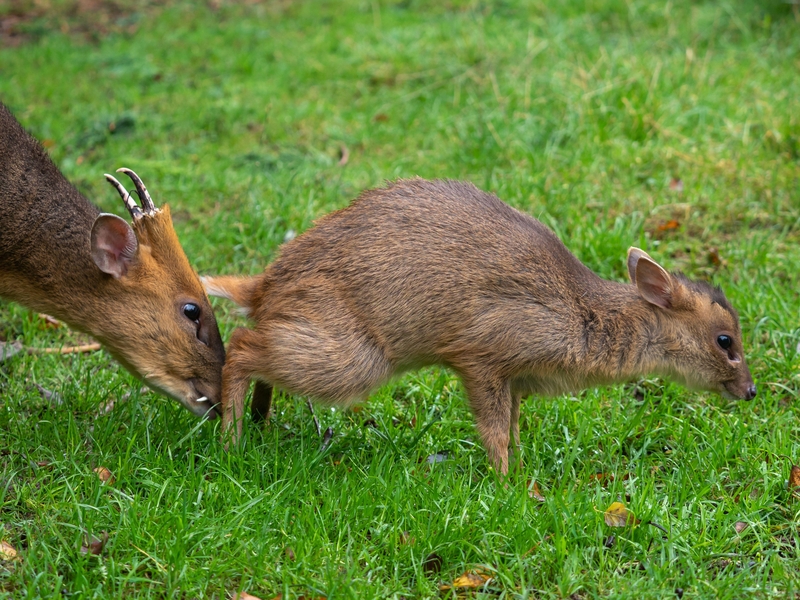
column 624, row 336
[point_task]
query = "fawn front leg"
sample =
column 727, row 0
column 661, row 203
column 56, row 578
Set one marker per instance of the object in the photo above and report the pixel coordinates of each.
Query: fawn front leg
column 491, row 402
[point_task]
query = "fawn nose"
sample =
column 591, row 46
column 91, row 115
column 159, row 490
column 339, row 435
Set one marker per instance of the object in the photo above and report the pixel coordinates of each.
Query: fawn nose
column 751, row 392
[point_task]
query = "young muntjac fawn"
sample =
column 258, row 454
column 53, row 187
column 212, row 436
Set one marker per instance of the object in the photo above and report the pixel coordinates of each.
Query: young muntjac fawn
column 131, row 288
column 439, row 272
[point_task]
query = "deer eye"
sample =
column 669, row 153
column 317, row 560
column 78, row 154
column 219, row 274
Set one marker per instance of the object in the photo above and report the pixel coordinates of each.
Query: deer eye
column 725, row 342
column 191, row 311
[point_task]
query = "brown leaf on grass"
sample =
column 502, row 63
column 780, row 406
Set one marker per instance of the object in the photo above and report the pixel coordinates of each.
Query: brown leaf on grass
column 794, row 480
column 432, row 563
column 668, row 225
column 94, row 545
column 740, row 526
column 246, row 596
column 289, row 553
column 534, row 491
column 105, row 475
column 380, row 118
column 714, row 257
column 469, row 580
column 617, row 515
column 676, row 184
column 49, row 321
column 8, row 552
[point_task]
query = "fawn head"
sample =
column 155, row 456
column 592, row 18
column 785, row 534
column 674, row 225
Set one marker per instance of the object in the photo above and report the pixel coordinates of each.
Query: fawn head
column 698, row 327
column 158, row 321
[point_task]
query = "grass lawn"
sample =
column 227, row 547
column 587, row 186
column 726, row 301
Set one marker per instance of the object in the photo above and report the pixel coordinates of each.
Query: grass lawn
column 670, row 125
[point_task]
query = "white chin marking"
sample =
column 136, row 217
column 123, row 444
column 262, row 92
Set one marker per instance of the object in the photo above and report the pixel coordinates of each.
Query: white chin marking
column 202, row 399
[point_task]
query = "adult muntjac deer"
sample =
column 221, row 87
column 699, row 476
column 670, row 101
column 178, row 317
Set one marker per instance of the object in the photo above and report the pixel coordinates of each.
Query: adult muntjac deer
column 439, row 272
column 131, row 288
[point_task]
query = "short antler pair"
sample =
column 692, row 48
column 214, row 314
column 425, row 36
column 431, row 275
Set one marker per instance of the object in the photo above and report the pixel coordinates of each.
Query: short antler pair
column 148, row 208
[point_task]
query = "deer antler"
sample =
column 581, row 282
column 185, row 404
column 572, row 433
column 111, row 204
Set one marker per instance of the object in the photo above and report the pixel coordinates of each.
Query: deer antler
column 130, row 204
column 147, row 203
column 148, row 208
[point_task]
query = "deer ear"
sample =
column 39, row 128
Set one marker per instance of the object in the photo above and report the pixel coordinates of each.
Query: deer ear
column 114, row 245
column 654, row 284
column 634, row 254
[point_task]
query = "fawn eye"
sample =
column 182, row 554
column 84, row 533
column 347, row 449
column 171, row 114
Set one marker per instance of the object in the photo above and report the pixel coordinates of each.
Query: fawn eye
column 192, row 312
column 725, row 342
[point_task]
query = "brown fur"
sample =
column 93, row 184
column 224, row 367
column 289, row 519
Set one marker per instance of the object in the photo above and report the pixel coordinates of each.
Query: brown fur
column 46, row 264
column 439, row 272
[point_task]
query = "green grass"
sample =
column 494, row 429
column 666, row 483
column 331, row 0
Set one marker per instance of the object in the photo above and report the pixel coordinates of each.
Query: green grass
column 579, row 113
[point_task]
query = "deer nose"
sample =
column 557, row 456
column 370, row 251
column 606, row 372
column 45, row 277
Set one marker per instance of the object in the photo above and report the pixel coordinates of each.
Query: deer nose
column 751, row 392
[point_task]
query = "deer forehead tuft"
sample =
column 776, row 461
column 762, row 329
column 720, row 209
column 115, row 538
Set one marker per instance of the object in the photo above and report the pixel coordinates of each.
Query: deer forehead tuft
column 713, row 294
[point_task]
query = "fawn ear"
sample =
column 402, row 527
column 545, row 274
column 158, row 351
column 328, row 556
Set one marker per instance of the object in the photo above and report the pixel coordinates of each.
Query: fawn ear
column 654, row 284
column 634, row 254
column 114, row 245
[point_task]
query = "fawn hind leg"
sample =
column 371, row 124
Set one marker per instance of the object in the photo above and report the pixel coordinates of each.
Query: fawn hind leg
column 262, row 401
column 330, row 360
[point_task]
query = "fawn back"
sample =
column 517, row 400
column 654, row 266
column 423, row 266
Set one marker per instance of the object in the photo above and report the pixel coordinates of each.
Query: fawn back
column 439, row 272
column 131, row 288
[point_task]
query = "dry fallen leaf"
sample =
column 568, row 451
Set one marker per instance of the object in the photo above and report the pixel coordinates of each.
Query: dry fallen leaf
column 7, row 551
column 676, row 184
column 669, row 225
column 714, row 258
column 535, row 492
column 49, row 321
column 105, row 475
column 246, row 596
column 469, row 580
column 740, row 526
column 95, row 545
column 794, row 479
column 617, row 515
